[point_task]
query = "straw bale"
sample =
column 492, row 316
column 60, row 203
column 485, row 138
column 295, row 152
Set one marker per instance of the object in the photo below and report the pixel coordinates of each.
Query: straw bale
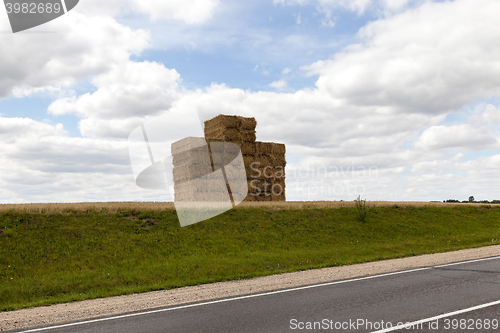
column 192, row 156
column 280, row 197
column 280, row 181
column 223, row 121
column 278, row 149
column 210, row 182
column 255, row 186
column 189, row 143
column 247, row 148
column 235, row 174
column 230, row 135
column 224, row 153
column 225, row 134
column 277, row 161
column 248, row 136
column 255, row 172
column 279, row 172
column 247, row 123
column 231, row 122
column 263, row 197
column 268, row 173
column 266, row 187
column 263, row 161
column 250, row 197
column 248, row 160
column 263, row 148
column 189, row 172
column 277, row 189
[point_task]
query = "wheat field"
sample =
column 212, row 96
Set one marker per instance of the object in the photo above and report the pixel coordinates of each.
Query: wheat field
column 114, row 207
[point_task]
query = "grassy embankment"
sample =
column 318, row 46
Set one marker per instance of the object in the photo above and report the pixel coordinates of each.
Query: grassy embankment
column 57, row 253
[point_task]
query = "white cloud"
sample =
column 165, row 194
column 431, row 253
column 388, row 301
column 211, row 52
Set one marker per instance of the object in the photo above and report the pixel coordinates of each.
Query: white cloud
column 395, row 4
column 13, row 130
column 298, row 18
column 286, row 71
column 419, row 61
column 432, row 166
column 83, row 45
column 119, row 106
column 41, row 164
column 491, row 114
column 188, row 11
column 480, row 179
column 328, row 8
column 354, row 5
column 127, row 93
column 458, row 136
column 313, row 124
column 278, row 84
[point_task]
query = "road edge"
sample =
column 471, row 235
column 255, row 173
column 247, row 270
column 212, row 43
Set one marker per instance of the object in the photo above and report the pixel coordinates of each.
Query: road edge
column 60, row 313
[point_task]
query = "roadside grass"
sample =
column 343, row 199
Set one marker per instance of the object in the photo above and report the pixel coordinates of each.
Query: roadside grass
column 48, row 258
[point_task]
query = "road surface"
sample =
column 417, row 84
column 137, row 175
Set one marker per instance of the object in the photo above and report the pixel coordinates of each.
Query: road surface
column 429, row 299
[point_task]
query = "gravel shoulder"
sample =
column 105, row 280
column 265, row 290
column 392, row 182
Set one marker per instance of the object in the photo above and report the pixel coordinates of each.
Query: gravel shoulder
column 60, row 313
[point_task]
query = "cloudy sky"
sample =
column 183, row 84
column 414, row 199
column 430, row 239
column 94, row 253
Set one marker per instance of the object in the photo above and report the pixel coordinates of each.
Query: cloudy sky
column 390, row 99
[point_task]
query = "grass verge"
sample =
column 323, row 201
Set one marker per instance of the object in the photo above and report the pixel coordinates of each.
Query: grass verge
column 75, row 255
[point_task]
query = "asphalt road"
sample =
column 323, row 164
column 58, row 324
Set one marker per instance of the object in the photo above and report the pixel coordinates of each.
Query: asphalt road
column 356, row 305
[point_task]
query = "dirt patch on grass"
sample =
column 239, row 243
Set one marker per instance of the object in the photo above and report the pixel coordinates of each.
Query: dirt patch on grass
column 146, row 223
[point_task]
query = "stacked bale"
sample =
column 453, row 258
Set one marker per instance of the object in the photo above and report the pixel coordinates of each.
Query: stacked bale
column 231, row 129
column 194, row 179
column 237, row 130
column 264, row 161
column 267, row 174
column 195, row 165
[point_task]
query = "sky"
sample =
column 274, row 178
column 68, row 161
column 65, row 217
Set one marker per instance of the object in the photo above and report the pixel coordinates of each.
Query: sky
column 394, row 100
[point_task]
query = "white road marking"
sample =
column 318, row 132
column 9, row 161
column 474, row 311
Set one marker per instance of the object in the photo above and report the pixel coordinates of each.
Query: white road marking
column 444, row 315
column 263, row 294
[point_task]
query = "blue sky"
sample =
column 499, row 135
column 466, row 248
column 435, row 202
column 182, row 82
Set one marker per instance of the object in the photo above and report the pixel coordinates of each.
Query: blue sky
column 410, row 87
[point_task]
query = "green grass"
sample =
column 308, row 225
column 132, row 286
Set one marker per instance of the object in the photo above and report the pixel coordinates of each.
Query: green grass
column 52, row 258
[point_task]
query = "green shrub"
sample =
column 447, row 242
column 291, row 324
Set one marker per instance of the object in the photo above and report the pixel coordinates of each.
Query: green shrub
column 361, row 211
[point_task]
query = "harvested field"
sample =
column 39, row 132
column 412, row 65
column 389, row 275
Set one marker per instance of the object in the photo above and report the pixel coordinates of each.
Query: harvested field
column 114, row 207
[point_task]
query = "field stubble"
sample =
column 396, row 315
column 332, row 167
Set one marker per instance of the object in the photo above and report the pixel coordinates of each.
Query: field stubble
column 114, row 207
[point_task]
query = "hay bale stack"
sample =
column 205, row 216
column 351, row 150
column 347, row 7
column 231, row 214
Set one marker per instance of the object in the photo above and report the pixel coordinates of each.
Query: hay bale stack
column 231, row 129
column 264, row 162
column 267, row 174
column 192, row 172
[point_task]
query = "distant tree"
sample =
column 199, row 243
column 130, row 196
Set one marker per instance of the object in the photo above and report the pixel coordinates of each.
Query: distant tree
column 471, row 198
